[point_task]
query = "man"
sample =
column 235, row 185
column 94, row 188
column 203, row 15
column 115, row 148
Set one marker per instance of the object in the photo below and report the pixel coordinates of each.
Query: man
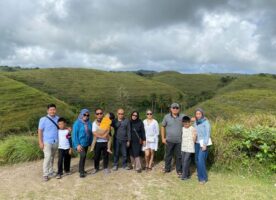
column 101, row 143
column 171, row 132
column 122, row 138
column 48, row 140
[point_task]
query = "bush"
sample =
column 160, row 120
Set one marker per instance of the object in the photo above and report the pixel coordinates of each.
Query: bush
column 15, row 149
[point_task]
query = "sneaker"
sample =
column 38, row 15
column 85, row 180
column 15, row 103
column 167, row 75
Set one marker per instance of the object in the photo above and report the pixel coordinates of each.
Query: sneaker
column 68, row 173
column 82, row 175
column 52, row 174
column 139, row 171
column 94, row 171
column 202, row 182
column 106, row 171
column 58, row 176
column 115, row 168
column 45, row 178
column 127, row 168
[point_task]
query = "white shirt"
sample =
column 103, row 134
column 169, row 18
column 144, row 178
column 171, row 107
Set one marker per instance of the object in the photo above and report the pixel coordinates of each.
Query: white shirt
column 63, row 142
column 188, row 144
column 95, row 127
column 151, row 130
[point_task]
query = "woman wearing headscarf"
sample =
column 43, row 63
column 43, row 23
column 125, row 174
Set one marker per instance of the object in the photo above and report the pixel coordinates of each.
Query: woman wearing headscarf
column 82, row 137
column 137, row 140
column 203, row 129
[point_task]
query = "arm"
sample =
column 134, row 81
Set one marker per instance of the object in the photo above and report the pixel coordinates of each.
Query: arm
column 207, row 133
column 76, row 141
column 194, row 135
column 163, row 135
column 40, row 139
column 143, row 134
column 128, row 131
column 156, row 129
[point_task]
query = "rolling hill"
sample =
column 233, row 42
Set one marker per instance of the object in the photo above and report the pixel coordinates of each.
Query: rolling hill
column 21, row 106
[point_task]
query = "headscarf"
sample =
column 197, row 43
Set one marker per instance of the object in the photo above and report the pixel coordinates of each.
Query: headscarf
column 202, row 119
column 83, row 111
column 137, row 118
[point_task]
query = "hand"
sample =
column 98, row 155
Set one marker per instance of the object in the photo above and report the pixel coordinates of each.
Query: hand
column 69, row 129
column 70, row 151
column 144, row 143
column 41, row 145
column 193, row 119
column 164, row 141
column 128, row 143
column 204, row 148
column 79, row 148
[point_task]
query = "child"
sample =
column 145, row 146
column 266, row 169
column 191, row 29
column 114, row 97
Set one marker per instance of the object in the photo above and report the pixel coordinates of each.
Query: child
column 187, row 146
column 64, row 148
column 105, row 127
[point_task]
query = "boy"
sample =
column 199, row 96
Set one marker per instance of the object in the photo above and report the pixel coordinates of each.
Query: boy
column 105, row 127
column 64, row 148
column 187, row 146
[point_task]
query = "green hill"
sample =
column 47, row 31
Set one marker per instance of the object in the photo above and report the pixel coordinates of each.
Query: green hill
column 21, row 106
column 248, row 101
column 93, row 88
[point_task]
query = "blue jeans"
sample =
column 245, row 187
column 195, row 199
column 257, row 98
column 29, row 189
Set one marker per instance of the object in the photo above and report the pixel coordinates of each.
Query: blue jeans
column 200, row 160
column 120, row 146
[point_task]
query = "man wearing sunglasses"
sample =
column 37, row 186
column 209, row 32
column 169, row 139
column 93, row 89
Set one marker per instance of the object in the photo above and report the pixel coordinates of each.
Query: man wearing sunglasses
column 171, row 132
column 121, row 139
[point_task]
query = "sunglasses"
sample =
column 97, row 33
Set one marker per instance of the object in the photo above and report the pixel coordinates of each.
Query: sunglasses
column 149, row 113
column 120, row 113
column 86, row 115
column 99, row 113
column 175, row 108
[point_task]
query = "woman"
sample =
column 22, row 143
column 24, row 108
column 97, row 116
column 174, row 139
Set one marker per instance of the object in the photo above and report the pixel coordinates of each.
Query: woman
column 152, row 132
column 82, row 137
column 203, row 129
column 137, row 140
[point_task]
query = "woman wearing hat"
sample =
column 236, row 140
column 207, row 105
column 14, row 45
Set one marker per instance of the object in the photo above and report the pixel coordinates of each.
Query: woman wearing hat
column 82, row 137
column 203, row 129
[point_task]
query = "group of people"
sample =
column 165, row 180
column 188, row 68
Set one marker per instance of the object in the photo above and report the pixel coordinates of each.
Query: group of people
column 181, row 135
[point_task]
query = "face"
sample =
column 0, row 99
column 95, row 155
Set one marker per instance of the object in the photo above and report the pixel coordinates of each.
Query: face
column 198, row 115
column 61, row 125
column 99, row 114
column 149, row 115
column 186, row 124
column 175, row 110
column 134, row 116
column 85, row 116
column 52, row 111
column 120, row 114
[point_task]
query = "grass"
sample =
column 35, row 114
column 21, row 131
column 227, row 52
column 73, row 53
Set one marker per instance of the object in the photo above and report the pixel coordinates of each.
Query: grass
column 15, row 149
column 21, row 106
column 94, row 88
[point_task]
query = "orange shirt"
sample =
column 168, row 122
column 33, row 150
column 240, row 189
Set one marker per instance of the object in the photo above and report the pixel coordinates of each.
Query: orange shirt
column 105, row 123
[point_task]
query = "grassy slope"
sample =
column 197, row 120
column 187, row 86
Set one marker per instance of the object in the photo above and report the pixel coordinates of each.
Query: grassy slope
column 21, row 106
column 91, row 87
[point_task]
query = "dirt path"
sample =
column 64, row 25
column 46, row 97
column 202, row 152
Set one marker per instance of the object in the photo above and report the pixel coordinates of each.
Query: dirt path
column 24, row 181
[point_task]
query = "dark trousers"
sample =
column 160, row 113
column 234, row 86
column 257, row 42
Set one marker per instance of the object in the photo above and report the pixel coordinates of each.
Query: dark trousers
column 186, row 162
column 82, row 160
column 121, row 146
column 101, row 148
column 172, row 148
column 64, row 160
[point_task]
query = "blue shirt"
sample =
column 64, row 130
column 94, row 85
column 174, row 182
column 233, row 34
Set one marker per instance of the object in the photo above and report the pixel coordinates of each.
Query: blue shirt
column 49, row 129
column 203, row 132
column 80, row 137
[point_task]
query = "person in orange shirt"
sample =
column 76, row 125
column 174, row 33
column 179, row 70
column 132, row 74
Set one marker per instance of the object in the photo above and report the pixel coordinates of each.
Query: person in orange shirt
column 105, row 127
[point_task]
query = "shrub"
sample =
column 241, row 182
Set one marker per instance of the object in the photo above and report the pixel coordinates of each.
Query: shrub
column 15, row 149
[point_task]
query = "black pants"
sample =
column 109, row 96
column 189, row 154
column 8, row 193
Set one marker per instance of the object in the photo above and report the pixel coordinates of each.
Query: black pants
column 186, row 162
column 82, row 160
column 64, row 159
column 121, row 146
column 172, row 148
column 101, row 148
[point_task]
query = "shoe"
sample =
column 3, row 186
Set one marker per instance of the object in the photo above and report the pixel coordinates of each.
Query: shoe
column 107, row 171
column 58, row 176
column 115, row 168
column 166, row 171
column 94, row 171
column 82, row 175
column 127, row 168
column 202, row 182
column 185, row 179
column 52, row 174
column 68, row 173
column 45, row 178
column 139, row 171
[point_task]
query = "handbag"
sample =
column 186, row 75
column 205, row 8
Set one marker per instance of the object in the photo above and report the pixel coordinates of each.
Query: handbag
column 140, row 140
column 150, row 139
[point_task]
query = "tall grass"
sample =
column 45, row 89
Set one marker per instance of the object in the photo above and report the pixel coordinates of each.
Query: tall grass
column 15, row 149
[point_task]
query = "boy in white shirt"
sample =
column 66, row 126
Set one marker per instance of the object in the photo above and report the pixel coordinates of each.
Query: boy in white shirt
column 187, row 146
column 64, row 148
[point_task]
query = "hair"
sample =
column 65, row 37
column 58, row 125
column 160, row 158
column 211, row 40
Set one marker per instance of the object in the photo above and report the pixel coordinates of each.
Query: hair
column 61, row 119
column 51, row 105
column 138, row 116
column 149, row 110
column 186, row 119
column 111, row 116
column 98, row 109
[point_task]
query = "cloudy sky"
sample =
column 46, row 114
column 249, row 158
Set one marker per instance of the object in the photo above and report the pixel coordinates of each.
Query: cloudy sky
column 190, row 36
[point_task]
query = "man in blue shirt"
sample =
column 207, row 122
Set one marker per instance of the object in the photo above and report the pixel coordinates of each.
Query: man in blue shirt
column 48, row 140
